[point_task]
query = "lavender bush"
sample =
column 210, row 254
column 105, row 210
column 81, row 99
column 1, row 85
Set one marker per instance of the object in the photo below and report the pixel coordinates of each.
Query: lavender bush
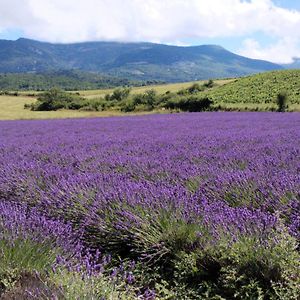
column 208, row 204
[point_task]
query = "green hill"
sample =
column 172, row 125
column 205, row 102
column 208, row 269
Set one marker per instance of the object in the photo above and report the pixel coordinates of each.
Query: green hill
column 64, row 79
column 135, row 61
column 259, row 89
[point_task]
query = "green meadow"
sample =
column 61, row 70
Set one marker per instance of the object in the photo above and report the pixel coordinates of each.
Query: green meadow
column 12, row 107
column 252, row 93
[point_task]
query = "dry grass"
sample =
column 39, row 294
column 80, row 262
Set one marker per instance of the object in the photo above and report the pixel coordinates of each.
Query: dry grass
column 12, row 108
column 162, row 88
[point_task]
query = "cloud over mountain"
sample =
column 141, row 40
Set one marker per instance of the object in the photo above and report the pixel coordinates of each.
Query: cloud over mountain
column 167, row 21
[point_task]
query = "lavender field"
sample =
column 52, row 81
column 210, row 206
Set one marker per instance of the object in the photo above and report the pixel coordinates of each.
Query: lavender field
column 180, row 206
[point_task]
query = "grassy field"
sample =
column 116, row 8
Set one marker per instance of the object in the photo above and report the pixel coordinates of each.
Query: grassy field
column 160, row 89
column 251, row 93
column 12, row 108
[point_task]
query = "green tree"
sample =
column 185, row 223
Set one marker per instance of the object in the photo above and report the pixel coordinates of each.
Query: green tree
column 282, row 99
column 120, row 94
column 55, row 99
column 150, row 97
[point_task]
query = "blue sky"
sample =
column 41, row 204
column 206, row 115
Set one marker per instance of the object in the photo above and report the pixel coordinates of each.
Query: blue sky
column 263, row 29
column 291, row 4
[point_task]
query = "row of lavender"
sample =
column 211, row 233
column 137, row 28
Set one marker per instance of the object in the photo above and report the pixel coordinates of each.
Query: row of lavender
column 189, row 196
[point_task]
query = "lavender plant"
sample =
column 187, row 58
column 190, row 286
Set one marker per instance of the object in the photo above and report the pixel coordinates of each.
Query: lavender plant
column 206, row 204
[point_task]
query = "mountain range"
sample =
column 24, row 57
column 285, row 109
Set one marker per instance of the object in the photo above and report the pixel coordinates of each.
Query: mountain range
column 135, row 61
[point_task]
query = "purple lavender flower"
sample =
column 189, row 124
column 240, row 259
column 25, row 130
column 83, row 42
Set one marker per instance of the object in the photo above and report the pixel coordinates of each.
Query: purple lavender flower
column 100, row 184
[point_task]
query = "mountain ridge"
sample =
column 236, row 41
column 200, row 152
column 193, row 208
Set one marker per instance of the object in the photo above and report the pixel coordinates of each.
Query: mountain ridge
column 137, row 61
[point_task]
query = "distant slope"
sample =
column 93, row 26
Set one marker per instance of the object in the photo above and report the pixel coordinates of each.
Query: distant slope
column 138, row 61
column 64, row 79
column 260, row 88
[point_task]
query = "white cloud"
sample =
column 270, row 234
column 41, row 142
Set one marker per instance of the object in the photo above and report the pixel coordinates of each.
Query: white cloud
column 283, row 51
column 169, row 21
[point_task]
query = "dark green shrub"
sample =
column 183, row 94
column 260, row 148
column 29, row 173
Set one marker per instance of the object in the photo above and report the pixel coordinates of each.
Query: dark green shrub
column 162, row 100
column 138, row 99
column 107, row 97
column 209, row 84
column 119, row 94
column 27, row 106
column 55, row 99
column 191, row 104
column 150, row 97
column 128, row 106
column 75, row 105
column 282, row 98
column 182, row 92
column 195, row 88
